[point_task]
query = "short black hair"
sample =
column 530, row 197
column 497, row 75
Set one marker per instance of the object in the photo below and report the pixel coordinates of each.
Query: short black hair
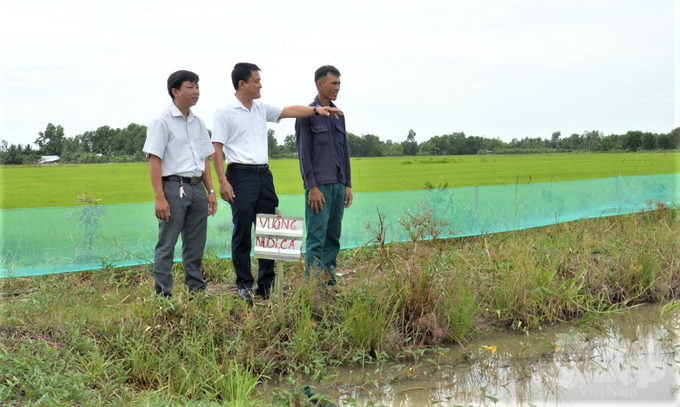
column 176, row 79
column 325, row 70
column 242, row 72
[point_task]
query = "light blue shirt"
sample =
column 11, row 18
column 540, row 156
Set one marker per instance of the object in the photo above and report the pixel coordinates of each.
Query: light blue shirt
column 182, row 145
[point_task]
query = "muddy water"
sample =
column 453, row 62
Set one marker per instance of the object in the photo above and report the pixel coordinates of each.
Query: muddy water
column 631, row 358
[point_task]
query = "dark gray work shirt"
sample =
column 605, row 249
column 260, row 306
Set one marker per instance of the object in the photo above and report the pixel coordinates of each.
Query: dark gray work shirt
column 323, row 149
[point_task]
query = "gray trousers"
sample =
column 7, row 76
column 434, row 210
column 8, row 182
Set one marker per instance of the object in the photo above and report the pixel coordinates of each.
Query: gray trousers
column 188, row 217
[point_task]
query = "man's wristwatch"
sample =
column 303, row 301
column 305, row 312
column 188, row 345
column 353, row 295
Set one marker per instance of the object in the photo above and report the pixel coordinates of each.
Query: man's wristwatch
column 315, row 112
column 211, row 191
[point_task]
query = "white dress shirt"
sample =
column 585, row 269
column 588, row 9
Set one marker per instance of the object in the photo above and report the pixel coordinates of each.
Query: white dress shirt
column 182, row 145
column 243, row 132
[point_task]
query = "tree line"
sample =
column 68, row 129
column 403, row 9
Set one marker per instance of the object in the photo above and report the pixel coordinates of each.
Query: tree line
column 125, row 145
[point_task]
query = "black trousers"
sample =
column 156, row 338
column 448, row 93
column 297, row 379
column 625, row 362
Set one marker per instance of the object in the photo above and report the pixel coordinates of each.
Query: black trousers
column 255, row 194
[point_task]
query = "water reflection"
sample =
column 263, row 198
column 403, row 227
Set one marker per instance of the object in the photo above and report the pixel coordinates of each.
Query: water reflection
column 629, row 358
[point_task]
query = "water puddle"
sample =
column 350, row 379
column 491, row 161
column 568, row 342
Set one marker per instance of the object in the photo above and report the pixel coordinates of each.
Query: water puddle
column 630, row 358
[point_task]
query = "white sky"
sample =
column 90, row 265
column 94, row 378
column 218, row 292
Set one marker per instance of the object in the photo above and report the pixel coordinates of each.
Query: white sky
column 494, row 68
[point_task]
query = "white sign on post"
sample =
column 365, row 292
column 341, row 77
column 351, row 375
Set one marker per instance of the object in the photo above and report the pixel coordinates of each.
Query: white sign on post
column 278, row 237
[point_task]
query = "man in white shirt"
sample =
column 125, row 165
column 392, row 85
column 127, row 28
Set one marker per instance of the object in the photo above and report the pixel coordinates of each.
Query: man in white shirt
column 240, row 136
column 178, row 146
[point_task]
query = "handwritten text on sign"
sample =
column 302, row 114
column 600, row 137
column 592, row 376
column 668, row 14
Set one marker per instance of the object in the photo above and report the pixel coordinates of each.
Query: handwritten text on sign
column 278, row 237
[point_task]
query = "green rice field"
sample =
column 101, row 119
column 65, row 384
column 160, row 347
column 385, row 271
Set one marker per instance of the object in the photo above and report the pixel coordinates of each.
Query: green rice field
column 59, row 185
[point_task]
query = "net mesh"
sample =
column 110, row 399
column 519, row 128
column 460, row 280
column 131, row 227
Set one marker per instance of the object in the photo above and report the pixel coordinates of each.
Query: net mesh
column 89, row 237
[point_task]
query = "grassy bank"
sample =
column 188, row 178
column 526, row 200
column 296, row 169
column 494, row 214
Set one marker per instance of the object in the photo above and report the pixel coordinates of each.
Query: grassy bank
column 100, row 338
column 49, row 186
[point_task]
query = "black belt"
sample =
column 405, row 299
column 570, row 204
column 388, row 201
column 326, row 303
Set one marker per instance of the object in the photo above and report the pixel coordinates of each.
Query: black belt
column 249, row 167
column 187, row 180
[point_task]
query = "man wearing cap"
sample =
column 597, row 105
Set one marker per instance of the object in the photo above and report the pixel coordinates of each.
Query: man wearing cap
column 178, row 146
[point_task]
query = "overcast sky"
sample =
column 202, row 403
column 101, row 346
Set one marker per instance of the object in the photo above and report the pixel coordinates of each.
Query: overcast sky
column 493, row 68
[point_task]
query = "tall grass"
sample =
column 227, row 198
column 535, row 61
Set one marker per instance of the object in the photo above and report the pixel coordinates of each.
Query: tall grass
column 101, row 338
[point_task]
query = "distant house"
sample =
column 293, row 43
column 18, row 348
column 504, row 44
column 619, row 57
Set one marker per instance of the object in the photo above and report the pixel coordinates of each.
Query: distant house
column 48, row 159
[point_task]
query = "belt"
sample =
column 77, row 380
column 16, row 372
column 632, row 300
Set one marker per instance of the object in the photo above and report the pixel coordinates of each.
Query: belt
column 249, row 167
column 187, row 180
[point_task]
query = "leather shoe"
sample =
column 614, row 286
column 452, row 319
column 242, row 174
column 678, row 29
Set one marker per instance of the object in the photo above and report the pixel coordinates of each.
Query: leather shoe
column 245, row 294
column 264, row 294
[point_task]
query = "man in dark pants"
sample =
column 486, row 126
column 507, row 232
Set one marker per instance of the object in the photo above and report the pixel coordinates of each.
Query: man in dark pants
column 240, row 136
column 178, row 146
column 323, row 150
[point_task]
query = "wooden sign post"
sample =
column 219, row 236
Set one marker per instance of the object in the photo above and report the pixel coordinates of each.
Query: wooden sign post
column 278, row 238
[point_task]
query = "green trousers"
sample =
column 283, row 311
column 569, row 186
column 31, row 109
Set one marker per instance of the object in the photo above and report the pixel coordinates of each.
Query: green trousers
column 323, row 232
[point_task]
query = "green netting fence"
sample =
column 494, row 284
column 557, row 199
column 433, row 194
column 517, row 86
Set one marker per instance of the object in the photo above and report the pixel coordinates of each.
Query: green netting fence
column 69, row 239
